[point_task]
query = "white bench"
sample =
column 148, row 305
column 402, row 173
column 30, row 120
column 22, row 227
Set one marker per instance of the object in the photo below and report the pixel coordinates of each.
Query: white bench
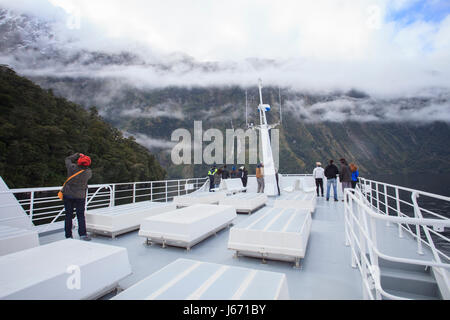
column 308, row 184
column 245, row 202
column 188, row 226
column 195, row 280
column 198, row 198
column 273, row 233
column 63, row 270
column 297, row 200
column 113, row 221
column 232, row 186
column 11, row 212
column 15, row 239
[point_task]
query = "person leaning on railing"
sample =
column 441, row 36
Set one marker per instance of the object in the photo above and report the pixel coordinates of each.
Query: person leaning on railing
column 75, row 193
column 345, row 175
column 355, row 175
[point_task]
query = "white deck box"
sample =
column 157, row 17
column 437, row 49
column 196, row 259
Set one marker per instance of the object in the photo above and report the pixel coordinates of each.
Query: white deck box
column 273, row 233
column 194, row 280
column 63, row 270
column 113, row 221
column 199, row 198
column 245, row 202
column 15, row 239
column 297, row 200
column 188, row 226
column 232, row 186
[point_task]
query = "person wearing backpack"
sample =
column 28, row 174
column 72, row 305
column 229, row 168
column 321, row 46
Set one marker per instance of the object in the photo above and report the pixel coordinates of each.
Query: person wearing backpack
column 74, row 193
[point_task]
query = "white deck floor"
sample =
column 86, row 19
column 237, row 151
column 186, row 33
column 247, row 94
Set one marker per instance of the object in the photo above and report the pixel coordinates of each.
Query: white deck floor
column 325, row 272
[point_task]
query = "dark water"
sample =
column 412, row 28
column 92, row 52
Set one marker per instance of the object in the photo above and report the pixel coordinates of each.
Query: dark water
column 432, row 183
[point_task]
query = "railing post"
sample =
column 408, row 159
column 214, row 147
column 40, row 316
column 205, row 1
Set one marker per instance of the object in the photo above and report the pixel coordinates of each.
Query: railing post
column 179, row 186
column 166, row 190
column 347, row 207
column 31, row 205
column 414, row 197
column 397, row 199
column 386, row 205
column 378, row 197
column 134, row 192
column 113, row 196
column 151, row 191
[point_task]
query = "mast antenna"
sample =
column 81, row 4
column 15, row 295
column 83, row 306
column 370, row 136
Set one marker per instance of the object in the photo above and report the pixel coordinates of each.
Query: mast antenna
column 246, row 108
column 281, row 114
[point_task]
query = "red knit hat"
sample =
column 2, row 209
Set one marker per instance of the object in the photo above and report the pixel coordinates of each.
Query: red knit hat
column 84, row 160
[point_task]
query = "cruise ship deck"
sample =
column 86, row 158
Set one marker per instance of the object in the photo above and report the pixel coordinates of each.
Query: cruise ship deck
column 325, row 272
column 397, row 265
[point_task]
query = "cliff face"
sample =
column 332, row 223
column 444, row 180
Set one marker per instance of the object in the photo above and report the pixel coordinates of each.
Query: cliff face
column 38, row 130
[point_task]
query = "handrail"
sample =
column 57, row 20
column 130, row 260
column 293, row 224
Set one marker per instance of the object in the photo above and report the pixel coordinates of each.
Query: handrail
column 361, row 215
column 50, row 208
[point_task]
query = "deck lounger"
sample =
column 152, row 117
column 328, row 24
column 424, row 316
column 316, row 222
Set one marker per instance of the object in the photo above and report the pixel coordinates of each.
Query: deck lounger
column 273, row 233
column 15, row 239
column 117, row 220
column 188, row 226
column 297, row 200
column 194, row 280
column 232, row 186
column 199, row 198
column 294, row 187
column 245, row 202
column 63, row 270
column 11, row 212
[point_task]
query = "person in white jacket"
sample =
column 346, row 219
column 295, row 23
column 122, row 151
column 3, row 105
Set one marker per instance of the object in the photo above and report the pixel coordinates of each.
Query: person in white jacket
column 318, row 174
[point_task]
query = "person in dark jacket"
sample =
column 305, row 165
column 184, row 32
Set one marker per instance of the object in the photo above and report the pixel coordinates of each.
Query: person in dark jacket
column 331, row 171
column 75, row 193
column 278, row 182
column 225, row 173
column 345, row 175
column 211, row 174
column 217, row 178
column 243, row 174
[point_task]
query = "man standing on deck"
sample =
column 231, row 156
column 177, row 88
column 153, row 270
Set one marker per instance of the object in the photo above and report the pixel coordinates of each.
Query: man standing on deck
column 318, row 174
column 331, row 171
column 225, row 172
column 211, row 174
column 260, row 177
column 243, row 174
column 74, row 192
column 345, row 175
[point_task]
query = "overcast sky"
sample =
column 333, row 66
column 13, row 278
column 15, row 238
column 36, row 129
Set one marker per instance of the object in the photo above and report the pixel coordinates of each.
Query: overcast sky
column 377, row 44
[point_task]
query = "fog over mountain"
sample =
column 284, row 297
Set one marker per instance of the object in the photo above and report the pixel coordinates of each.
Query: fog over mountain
column 371, row 72
column 320, row 48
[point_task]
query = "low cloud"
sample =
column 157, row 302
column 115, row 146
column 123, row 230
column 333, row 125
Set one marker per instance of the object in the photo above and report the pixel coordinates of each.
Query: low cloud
column 419, row 110
column 151, row 143
column 169, row 109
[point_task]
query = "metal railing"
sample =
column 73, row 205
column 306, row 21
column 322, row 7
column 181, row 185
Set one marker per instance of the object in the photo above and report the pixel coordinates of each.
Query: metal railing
column 372, row 202
column 44, row 208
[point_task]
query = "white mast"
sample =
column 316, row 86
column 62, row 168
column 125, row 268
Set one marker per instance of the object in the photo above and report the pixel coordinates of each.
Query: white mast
column 246, row 106
column 270, row 183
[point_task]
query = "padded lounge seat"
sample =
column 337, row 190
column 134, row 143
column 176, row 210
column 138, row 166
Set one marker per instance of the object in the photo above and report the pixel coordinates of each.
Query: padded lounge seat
column 194, row 280
column 273, row 233
column 297, row 200
column 245, row 202
column 15, row 239
column 117, row 220
column 188, row 226
column 198, row 198
column 50, row 272
column 232, row 186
